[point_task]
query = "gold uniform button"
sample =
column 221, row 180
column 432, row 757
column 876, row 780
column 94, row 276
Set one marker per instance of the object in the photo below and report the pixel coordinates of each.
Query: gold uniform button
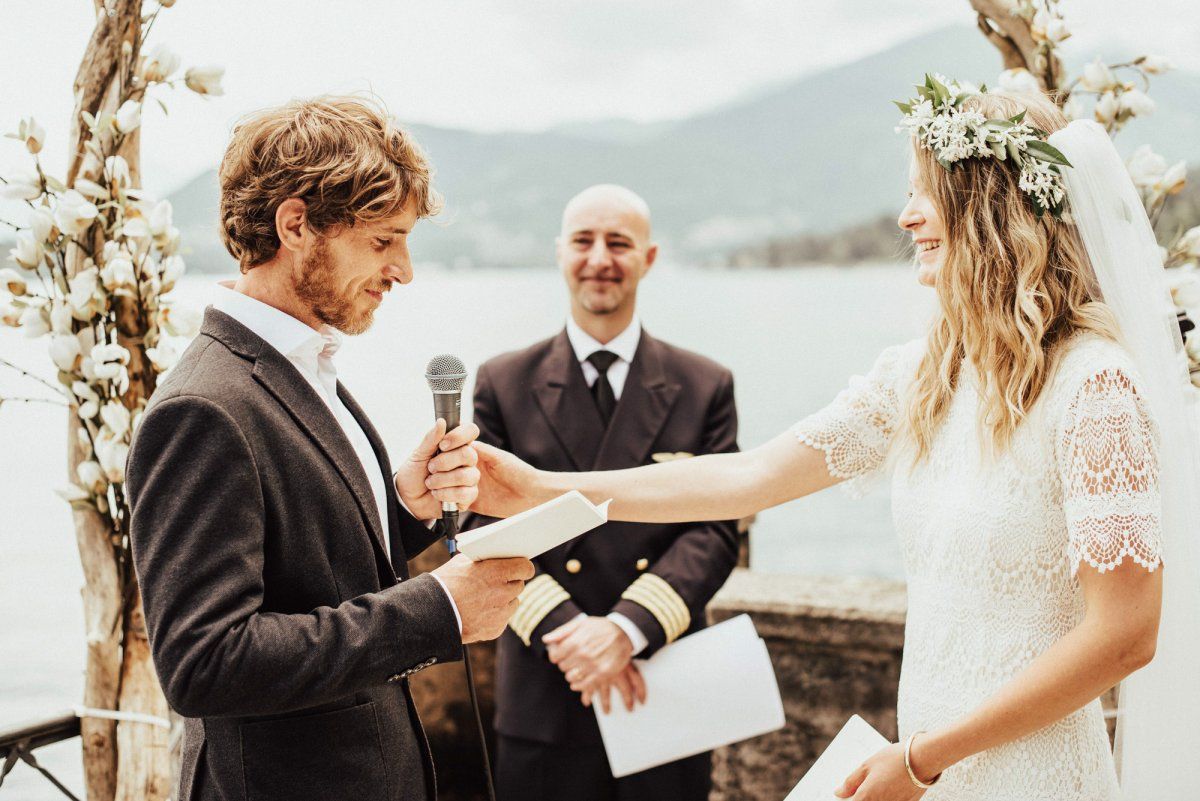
column 573, row 566
column 643, row 563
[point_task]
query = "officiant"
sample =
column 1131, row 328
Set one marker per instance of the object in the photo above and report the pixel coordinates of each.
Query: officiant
column 602, row 395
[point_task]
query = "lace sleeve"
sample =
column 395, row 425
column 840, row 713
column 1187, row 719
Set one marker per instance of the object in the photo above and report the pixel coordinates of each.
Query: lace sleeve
column 856, row 430
column 1108, row 461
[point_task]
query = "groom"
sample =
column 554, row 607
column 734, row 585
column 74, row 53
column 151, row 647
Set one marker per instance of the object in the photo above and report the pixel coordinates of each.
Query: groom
column 269, row 532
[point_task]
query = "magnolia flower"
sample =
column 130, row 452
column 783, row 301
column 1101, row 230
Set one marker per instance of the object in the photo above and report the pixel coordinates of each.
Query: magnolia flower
column 1189, row 243
column 34, row 135
column 83, row 294
column 90, row 189
column 1146, row 167
column 114, row 415
column 1048, row 27
column 91, row 477
column 89, row 405
column 74, row 213
column 205, row 80
column 1155, row 65
column 27, row 253
column 65, row 352
column 22, row 186
column 13, row 281
column 117, row 170
column 1173, row 179
column 160, row 219
column 111, row 453
column 10, row 313
column 1074, row 108
column 34, row 321
column 61, row 318
column 1186, row 290
column 1136, row 102
column 179, row 321
column 163, row 356
column 172, row 271
column 1106, row 109
column 108, row 363
column 135, row 228
column 41, row 224
column 118, row 274
column 128, row 117
column 1019, row 80
column 161, row 64
column 1097, row 77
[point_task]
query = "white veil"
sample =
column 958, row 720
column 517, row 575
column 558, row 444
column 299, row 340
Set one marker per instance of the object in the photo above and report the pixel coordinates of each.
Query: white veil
column 1158, row 728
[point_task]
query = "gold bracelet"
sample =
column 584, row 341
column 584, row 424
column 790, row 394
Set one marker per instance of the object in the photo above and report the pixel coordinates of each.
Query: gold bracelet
column 908, row 764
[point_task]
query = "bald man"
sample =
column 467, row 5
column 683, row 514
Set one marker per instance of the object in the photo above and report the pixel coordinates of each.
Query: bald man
column 602, row 395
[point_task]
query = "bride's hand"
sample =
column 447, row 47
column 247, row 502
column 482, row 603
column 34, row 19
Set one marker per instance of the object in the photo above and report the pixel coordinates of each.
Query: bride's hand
column 883, row 777
column 507, row 485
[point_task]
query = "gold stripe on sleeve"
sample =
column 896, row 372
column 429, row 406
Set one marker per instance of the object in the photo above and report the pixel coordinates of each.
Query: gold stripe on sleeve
column 660, row 599
column 539, row 598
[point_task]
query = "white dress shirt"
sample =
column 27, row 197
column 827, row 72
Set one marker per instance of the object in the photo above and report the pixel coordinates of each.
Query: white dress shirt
column 311, row 353
column 624, row 345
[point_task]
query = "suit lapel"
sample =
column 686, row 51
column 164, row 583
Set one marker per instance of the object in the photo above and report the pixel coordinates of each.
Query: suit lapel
column 566, row 402
column 646, row 401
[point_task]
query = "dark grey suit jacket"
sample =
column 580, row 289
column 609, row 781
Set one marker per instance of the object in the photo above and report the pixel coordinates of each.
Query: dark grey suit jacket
column 278, row 627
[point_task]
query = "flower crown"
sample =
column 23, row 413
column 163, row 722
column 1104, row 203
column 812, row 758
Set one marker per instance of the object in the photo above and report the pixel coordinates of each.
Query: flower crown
column 936, row 117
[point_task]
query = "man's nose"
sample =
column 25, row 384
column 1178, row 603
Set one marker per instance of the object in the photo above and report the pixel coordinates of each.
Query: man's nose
column 599, row 255
column 400, row 270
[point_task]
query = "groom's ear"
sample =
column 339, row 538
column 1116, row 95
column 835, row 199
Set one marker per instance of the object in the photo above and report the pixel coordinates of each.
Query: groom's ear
column 290, row 224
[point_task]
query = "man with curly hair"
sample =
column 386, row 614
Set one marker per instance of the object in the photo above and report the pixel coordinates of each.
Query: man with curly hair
column 270, row 532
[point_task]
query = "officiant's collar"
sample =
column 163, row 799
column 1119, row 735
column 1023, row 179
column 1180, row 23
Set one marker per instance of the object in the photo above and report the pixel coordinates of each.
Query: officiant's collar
column 624, row 344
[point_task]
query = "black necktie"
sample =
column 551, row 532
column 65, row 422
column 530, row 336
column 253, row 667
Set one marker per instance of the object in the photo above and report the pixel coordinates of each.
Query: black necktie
column 602, row 391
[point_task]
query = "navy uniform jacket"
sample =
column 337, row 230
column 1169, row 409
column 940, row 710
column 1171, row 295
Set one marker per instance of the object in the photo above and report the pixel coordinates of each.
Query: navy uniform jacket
column 536, row 404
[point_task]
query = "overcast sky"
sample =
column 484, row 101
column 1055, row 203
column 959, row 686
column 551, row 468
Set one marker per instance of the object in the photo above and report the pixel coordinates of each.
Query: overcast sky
column 497, row 64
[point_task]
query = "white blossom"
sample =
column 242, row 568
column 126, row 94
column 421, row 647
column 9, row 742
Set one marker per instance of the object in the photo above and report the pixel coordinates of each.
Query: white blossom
column 75, row 213
column 65, row 352
column 205, row 80
column 13, row 281
column 117, row 170
column 160, row 65
column 90, row 189
column 28, row 252
column 160, row 219
column 1107, row 108
column 1185, row 289
column 135, row 228
column 1155, row 65
column 179, row 321
column 108, row 363
column 163, row 356
column 1137, row 103
column 128, row 117
column 1097, row 77
column 116, row 417
column 1019, row 80
column 118, row 274
column 34, row 322
column 1189, row 243
column 22, row 186
column 1146, row 167
column 41, row 224
column 89, row 400
column 91, row 477
column 84, row 296
column 10, row 313
column 1173, row 179
column 61, row 318
column 111, row 453
column 172, row 270
column 35, row 135
column 1074, row 108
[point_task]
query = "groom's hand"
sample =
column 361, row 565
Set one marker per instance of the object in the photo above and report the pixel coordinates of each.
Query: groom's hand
column 591, row 652
column 485, row 593
column 441, row 468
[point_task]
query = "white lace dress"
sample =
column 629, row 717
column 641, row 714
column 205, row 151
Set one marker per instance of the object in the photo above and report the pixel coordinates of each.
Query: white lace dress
column 991, row 548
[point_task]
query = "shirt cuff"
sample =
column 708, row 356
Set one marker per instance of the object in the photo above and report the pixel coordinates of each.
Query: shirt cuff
column 454, row 606
column 631, row 631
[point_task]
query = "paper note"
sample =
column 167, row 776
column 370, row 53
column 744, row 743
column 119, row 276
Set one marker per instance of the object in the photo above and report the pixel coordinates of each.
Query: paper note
column 710, row 689
column 534, row 531
column 857, row 741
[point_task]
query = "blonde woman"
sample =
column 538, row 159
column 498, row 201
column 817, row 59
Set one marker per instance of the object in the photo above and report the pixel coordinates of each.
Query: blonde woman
column 1022, row 444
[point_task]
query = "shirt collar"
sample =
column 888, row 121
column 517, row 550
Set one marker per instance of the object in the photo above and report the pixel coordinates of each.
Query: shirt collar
column 624, row 344
column 279, row 329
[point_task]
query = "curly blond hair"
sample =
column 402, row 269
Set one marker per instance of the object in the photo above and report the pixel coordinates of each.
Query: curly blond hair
column 343, row 156
column 1012, row 287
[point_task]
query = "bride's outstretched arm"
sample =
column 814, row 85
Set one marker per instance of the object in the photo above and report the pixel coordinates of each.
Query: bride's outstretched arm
column 712, row 487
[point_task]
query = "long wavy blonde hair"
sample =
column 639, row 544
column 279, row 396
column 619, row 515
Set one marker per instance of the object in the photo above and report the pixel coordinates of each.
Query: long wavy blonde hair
column 1012, row 287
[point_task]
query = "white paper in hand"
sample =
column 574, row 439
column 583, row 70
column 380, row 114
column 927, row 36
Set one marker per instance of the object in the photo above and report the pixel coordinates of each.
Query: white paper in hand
column 534, row 531
column 710, row 689
column 857, row 741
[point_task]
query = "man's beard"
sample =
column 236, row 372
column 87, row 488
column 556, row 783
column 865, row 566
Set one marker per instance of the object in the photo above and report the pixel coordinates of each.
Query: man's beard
column 316, row 285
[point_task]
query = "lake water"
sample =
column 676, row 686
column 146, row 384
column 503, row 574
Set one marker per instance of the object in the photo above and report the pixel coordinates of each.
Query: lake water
column 792, row 338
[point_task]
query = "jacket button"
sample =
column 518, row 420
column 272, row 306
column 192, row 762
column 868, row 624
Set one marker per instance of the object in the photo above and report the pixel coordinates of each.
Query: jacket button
column 573, row 566
column 643, row 563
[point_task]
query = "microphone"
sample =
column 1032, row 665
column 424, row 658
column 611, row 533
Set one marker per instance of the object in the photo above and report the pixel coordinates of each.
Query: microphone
column 446, row 375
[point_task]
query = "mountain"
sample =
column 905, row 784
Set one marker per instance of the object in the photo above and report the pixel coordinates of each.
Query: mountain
column 810, row 155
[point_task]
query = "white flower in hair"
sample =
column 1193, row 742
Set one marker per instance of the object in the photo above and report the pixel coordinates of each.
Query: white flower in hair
column 937, row 119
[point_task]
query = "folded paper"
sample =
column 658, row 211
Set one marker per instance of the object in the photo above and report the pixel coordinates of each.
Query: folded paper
column 534, row 531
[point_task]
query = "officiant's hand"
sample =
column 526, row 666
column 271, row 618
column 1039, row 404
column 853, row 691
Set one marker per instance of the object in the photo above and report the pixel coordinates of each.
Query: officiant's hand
column 629, row 683
column 883, row 777
column 590, row 651
column 440, row 468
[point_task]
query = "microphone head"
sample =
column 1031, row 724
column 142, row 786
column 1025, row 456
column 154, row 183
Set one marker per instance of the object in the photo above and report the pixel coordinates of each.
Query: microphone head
column 446, row 373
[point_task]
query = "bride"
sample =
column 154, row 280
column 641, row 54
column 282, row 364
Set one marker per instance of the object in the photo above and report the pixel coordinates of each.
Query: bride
column 1030, row 484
